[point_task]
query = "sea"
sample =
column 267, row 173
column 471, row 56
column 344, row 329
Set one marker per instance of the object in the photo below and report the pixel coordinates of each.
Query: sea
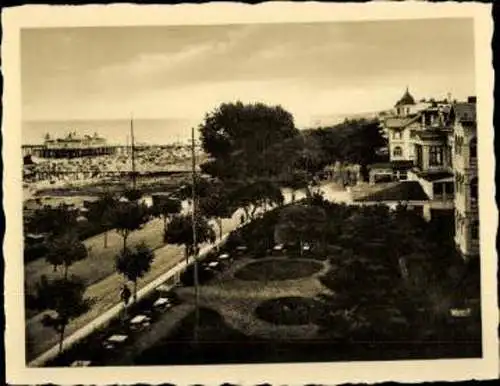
column 116, row 131
column 146, row 130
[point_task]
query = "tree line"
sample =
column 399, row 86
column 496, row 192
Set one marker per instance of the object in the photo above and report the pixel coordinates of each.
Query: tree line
column 254, row 151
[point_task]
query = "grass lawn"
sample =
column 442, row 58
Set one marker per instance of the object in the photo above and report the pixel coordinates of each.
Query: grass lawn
column 101, row 261
column 278, row 269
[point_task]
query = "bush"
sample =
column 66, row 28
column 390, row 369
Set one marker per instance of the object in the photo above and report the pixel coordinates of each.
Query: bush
column 34, row 252
column 290, row 311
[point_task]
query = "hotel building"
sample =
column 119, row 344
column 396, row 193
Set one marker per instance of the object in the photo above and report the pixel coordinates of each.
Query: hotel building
column 432, row 147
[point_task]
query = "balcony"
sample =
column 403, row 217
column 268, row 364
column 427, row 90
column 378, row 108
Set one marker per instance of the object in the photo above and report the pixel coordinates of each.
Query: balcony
column 473, row 163
column 444, row 197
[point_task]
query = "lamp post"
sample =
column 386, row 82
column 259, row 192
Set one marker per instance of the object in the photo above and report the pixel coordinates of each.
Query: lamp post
column 132, row 148
column 195, row 246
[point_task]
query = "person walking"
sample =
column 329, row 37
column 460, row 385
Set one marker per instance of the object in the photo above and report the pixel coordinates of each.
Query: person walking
column 125, row 295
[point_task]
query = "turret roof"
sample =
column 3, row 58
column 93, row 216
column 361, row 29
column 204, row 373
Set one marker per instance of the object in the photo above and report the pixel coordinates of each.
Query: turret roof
column 406, row 99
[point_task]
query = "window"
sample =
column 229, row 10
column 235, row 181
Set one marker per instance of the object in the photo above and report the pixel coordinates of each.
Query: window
column 398, row 151
column 459, row 183
column 459, row 142
column 448, row 188
column 435, row 155
column 438, row 188
column 473, row 148
column 474, row 230
column 473, row 190
column 418, row 154
column 403, row 175
column 397, row 134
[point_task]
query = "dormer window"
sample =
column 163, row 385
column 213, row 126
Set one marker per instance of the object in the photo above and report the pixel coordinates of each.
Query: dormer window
column 473, row 148
column 473, row 190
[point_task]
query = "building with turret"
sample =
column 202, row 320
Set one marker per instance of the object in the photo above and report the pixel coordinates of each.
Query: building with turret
column 433, row 150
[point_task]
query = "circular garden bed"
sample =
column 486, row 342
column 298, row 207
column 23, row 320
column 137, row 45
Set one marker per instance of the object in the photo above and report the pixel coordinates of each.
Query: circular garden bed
column 278, row 269
column 290, row 311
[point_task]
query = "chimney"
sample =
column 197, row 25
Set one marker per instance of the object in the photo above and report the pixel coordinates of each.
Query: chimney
column 471, row 99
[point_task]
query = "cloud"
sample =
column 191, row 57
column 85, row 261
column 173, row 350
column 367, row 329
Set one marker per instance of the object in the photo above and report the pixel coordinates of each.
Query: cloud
column 151, row 67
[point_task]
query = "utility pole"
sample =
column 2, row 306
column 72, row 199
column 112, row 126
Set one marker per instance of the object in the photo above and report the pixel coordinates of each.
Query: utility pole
column 195, row 243
column 133, row 152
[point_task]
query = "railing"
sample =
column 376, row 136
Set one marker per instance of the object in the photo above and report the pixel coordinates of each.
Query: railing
column 444, row 196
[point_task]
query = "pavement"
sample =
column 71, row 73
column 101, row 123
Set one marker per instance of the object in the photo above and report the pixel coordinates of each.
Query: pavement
column 105, row 293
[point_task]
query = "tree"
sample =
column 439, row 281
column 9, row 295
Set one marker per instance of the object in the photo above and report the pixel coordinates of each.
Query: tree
column 180, row 231
column 54, row 221
column 203, row 188
column 296, row 161
column 216, row 206
column 63, row 296
column 302, row 223
column 238, row 134
column 134, row 264
column 132, row 195
column 165, row 208
column 256, row 194
column 65, row 250
column 102, row 211
column 352, row 141
column 129, row 217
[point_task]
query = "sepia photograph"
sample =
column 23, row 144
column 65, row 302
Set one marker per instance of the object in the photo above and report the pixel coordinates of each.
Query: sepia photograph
column 252, row 191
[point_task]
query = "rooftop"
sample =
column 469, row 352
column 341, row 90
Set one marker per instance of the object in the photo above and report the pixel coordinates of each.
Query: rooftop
column 402, row 164
column 404, row 191
column 399, row 122
column 406, row 99
column 464, row 111
column 435, row 176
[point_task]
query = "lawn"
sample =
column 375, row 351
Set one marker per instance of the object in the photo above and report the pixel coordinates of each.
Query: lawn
column 101, row 261
column 278, row 269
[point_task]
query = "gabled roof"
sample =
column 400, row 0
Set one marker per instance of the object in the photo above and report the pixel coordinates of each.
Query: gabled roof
column 404, row 191
column 399, row 122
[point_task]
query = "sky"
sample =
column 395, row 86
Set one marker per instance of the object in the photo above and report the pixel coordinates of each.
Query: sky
column 180, row 73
